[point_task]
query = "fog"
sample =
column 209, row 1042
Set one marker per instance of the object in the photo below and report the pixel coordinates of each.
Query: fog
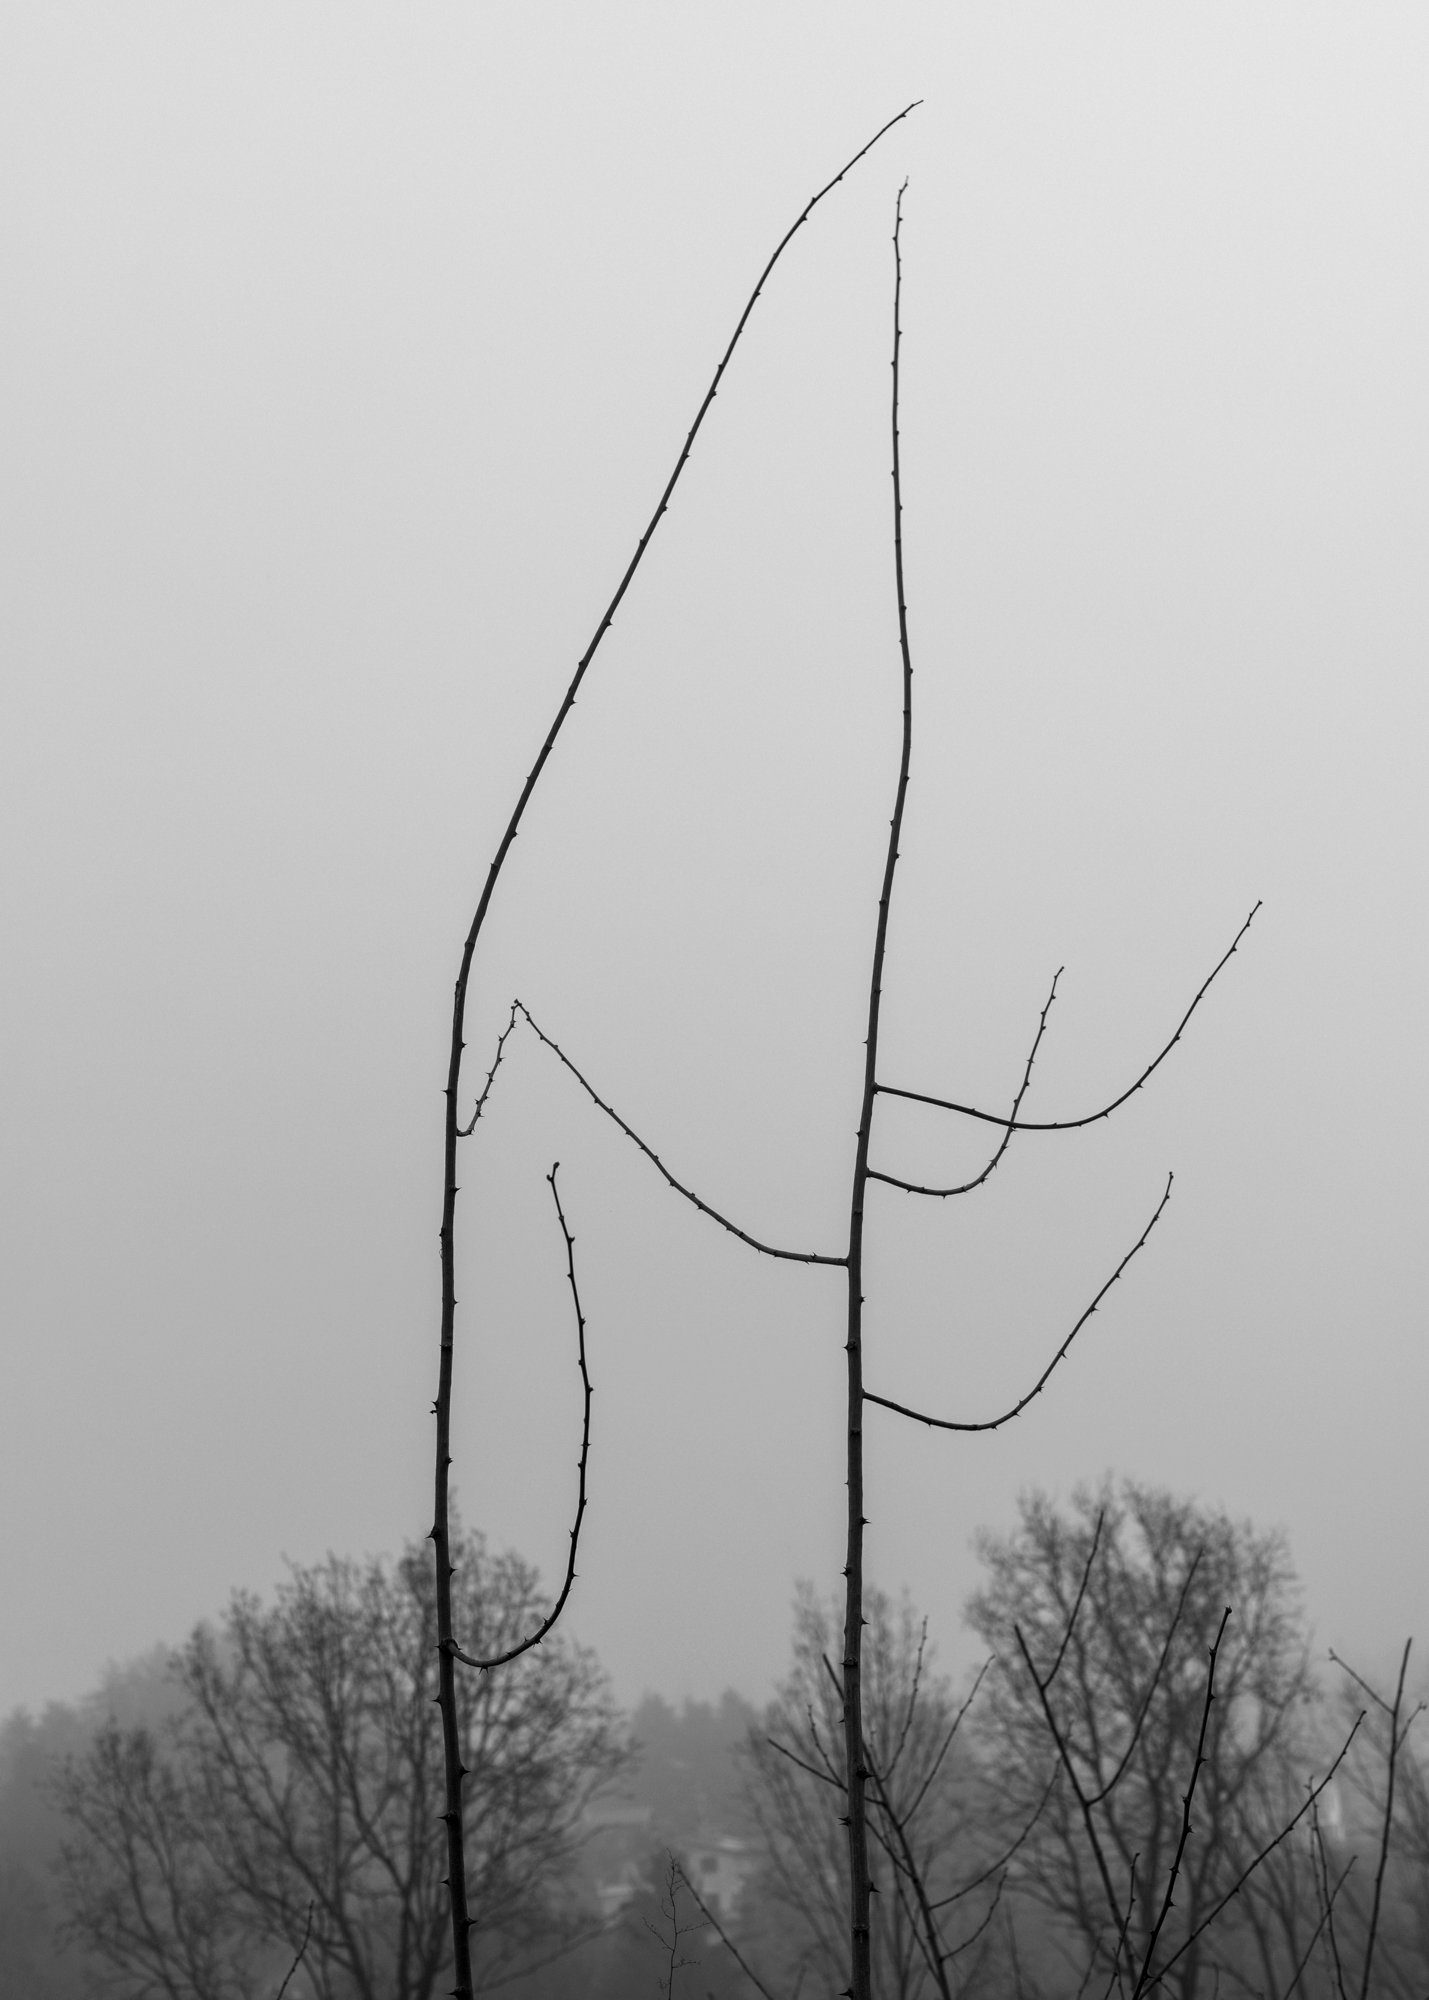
column 347, row 351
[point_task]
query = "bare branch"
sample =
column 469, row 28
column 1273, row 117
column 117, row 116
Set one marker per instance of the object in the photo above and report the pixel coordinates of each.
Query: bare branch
column 767, row 1249
column 723, row 1935
column 1109, row 1787
column 1016, row 1124
column 1087, row 1567
column 1169, row 1898
column 1250, row 1868
column 515, row 1652
column 994, row 1867
column 1084, row 1804
column 1395, row 1744
column 298, row 1959
column 996, row 1423
column 966, row 1187
column 465, row 1131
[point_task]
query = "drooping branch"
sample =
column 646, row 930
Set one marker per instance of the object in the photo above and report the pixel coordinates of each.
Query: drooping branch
column 1015, row 1124
column 453, row 1817
column 525, row 1645
column 966, row 1187
column 996, row 1423
column 697, row 1201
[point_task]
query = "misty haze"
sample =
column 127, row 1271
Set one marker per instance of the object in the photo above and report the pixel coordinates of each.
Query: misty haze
column 937, row 1500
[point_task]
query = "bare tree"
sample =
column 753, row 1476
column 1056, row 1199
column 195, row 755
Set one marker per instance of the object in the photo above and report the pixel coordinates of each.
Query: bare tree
column 1152, row 1653
column 929, row 1866
column 293, row 1802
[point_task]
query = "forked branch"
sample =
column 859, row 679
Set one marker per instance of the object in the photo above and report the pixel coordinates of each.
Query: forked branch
column 1016, row 1124
column 696, row 1201
column 996, row 1423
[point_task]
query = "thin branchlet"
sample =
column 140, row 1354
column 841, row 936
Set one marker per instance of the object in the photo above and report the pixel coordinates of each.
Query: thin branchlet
column 966, row 1187
column 695, row 1200
column 1015, row 1124
column 534, row 1639
column 996, row 1423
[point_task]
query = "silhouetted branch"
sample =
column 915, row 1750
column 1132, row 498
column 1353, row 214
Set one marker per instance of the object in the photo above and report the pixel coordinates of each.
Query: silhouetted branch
column 1250, row 1868
column 1327, row 1907
column 767, row 1249
column 966, row 1187
column 515, row 1652
column 1015, row 1124
column 1109, row 1787
column 461, row 1921
column 1072, row 1615
column 1170, row 1897
column 1083, row 1803
column 1006, row 1855
column 723, row 1935
column 298, row 1959
column 465, row 1131
column 996, row 1423
column 1392, row 1711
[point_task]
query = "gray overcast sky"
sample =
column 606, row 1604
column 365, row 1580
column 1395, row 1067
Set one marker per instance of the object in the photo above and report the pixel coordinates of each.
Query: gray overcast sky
column 346, row 349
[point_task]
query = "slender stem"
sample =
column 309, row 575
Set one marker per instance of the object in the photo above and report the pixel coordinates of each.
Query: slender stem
column 860, row 1945
column 1016, row 1124
column 441, row 1526
column 535, row 1637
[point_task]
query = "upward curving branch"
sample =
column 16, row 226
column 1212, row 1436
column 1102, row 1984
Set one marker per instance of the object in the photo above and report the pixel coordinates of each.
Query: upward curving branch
column 1016, row 1124
column 966, row 1187
column 996, row 1423
column 461, row 1919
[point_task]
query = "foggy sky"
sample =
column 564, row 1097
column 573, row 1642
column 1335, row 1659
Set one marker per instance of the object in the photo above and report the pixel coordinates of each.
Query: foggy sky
column 347, row 349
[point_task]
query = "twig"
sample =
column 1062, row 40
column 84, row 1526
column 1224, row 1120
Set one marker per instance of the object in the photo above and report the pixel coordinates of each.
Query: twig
column 996, row 1423
column 723, row 1935
column 1396, row 1744
column 1064, row 1753
column 465, row 1131
column 1072, row 1124
column 966, row 1187
column 1072, row 1615
column 767, row 1249
column 1169, row 1898
column 298, row 1959
column 1136, row 1727
column 515, row 1652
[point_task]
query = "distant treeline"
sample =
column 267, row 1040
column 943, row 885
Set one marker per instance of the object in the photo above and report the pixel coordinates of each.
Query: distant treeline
column 1149, row 1786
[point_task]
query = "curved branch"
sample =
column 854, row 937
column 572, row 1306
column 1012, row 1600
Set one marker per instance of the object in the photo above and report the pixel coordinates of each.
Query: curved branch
column 911, row 1187
column 996, row 1423
column 559, row 1606
column 1015, row 1124
column 766, row 1249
